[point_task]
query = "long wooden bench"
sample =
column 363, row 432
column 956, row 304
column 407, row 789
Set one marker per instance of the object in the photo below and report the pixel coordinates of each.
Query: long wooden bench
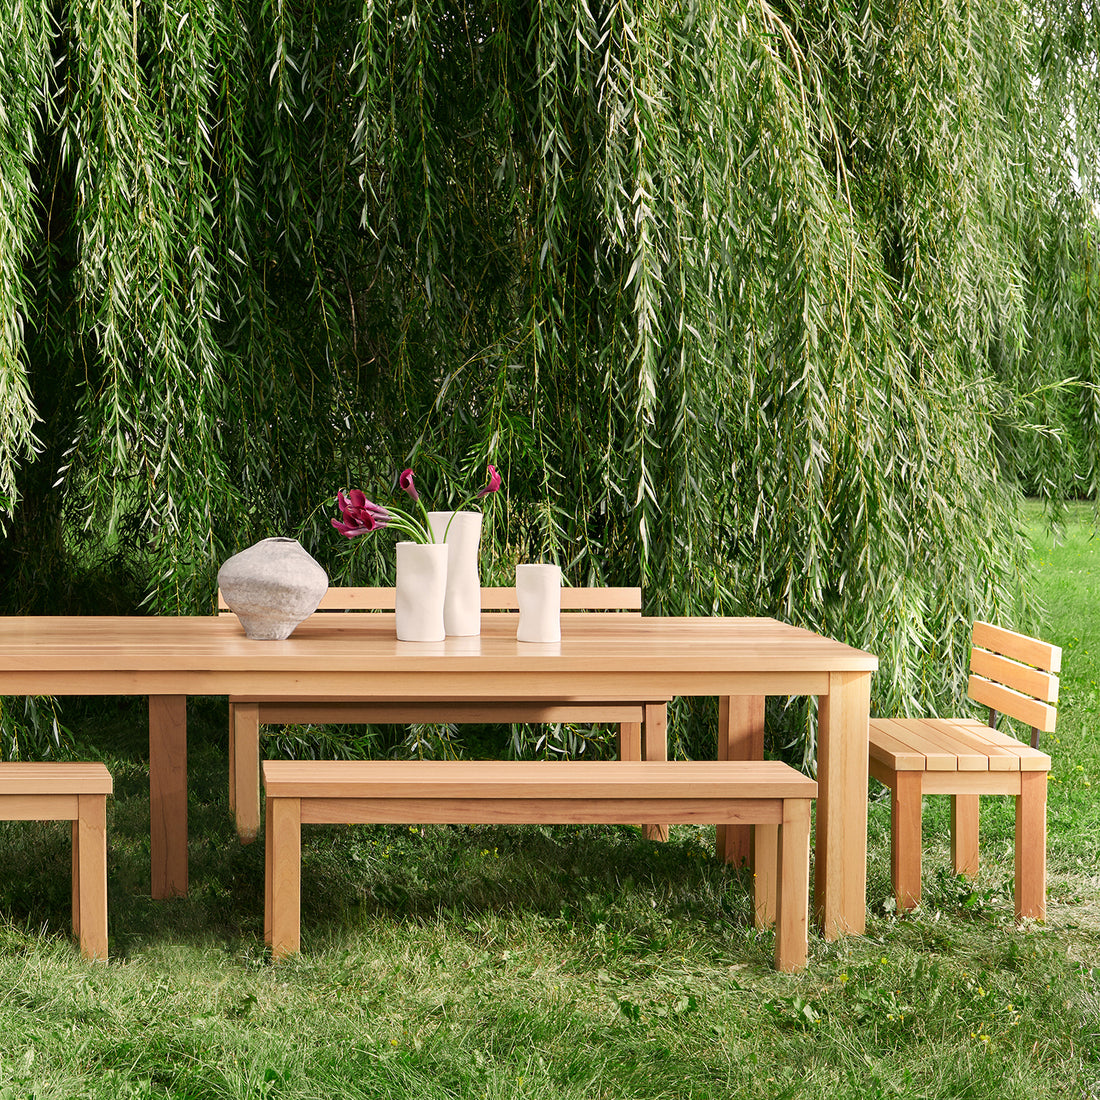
column 248, row 713
column 76, row 793
column 765, row 793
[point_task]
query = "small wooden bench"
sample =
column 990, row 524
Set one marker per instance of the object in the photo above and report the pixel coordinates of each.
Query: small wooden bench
column 247, row 713
column 76, row 793
column 765, row 793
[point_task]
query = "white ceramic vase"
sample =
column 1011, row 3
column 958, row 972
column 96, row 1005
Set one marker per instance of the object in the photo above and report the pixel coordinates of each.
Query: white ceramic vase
column 271, row 587
column 462, row 608
column 419, row 592
column 538, row 593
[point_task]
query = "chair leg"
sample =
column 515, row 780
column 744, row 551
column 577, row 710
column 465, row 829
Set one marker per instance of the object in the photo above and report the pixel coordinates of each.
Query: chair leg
column 1031, row 846
column 964, row 834
column 905, row 838
column 246, row 770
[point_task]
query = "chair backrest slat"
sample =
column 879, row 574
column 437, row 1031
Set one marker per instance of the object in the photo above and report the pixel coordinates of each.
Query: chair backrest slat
column 623, row 601
column 1015, row 674
column 1029, row 651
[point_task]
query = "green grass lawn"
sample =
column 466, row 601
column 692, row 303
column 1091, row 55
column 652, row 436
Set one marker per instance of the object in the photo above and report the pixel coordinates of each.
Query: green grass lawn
column 481, row 962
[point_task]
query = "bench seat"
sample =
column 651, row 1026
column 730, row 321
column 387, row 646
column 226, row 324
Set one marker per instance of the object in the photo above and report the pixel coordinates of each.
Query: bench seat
column 765, row 793
column 76, row 793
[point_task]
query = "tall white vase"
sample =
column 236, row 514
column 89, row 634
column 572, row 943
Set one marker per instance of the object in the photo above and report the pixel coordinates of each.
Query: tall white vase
column 420, row 591
column 462, row 608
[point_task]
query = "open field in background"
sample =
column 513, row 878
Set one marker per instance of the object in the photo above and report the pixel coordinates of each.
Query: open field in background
column 479, row 962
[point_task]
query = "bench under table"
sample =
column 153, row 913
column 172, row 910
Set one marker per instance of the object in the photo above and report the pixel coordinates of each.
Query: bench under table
column 768, row 794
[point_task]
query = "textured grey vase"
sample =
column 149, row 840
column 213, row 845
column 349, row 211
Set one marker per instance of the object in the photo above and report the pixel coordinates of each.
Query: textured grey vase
column 271, row 587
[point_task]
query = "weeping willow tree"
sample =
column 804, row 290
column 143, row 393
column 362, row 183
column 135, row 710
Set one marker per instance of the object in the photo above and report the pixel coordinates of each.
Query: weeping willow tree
column 767, row 307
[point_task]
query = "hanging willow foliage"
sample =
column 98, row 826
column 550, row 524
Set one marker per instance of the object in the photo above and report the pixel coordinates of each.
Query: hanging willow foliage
column 764, row 306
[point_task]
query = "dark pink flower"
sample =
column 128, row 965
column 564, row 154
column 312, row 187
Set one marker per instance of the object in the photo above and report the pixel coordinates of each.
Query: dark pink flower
column 358, row 515
column 405, row 481
column 494, row 482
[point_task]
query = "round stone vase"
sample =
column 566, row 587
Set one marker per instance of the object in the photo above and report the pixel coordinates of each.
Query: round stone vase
column 420, row 590
column 271, row 587
column 462, row 607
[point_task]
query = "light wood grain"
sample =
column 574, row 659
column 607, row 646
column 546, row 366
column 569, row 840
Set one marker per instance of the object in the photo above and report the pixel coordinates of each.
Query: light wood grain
column 768, row 793
column 168, row 795
column 76, row 793
column 1020, row 647
column 600, row 658
column 959, row 757
column 841, row 840
column 623, row 600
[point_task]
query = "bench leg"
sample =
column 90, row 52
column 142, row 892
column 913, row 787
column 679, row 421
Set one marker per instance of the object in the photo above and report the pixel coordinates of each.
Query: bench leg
column 283, row 876
column 905, row 838
column 765, row 856
column 1031, row 846
column 90, row 875
column 655, row 747
column 964, row 834
column 740, row 737
column 245, row 770
column 793, row 873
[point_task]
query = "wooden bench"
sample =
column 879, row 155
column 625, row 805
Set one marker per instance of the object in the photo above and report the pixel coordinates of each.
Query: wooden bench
column 76, row 793
column 964, row 758
column 768, row 794
column 247, row 712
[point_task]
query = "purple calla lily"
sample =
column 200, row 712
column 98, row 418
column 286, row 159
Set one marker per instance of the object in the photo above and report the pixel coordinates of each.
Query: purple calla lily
column 494, row 482
column 358, row 515
column 405, row 481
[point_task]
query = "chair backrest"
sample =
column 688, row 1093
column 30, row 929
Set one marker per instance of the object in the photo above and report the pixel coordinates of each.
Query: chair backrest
column 611, row 601
column 1015, row 675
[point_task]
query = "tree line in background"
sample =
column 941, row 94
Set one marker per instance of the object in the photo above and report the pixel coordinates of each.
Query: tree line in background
column 772, row 308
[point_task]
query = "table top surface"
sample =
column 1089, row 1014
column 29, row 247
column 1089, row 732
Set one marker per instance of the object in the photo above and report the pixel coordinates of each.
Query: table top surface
column 366, row 642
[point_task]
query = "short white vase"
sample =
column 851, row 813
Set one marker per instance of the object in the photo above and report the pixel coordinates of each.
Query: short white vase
column 538, row 593
column 462, row 607
column 271, row 587
column 419, row 592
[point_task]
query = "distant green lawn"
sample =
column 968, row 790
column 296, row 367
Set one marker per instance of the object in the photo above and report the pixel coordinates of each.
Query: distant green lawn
column 482, row 962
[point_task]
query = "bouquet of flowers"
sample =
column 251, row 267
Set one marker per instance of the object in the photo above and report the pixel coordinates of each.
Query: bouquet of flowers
column 359, row 516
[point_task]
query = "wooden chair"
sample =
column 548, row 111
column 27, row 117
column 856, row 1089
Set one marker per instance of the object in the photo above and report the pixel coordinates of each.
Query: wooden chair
column 1009, row 673
column 248, row 713
column 76, row 793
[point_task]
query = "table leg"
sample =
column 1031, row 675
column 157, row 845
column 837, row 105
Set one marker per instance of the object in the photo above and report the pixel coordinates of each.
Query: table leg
column 245, row 769
column 840, row 867
column 740, row 737
column 655, row 747
column 168, row 794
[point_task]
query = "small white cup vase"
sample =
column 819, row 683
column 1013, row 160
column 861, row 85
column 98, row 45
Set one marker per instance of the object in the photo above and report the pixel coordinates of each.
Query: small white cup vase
column 420, row 590
column 538, row 593
column 462, row 606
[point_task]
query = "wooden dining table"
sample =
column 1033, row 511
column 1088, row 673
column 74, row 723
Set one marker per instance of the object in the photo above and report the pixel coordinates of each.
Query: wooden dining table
column 741, row 661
